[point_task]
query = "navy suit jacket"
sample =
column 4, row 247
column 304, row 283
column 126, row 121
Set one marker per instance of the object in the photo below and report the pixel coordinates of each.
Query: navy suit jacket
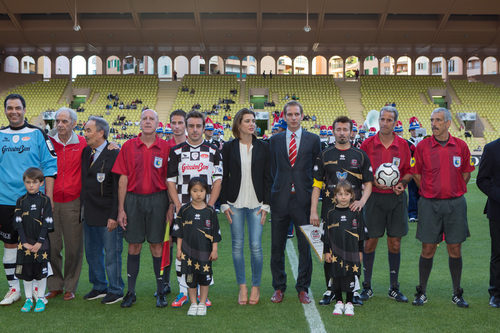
column 488, row 179
column 301, row 175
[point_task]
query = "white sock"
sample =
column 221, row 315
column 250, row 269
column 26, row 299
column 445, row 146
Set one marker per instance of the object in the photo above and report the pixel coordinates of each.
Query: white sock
column 181, row 279
column 9, row 265
column 28, row 289
column 42, row 285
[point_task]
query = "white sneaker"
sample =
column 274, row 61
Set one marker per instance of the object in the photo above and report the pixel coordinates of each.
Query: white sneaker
column 12, row 296
column 339, row 308
column 202, row 310
column 193, row 309
column 349, row 309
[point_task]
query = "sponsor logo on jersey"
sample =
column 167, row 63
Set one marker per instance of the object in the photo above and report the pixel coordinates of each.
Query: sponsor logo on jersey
column 457, row 161
column 195, row 156
column 342, row 157
column 396, row 161
column 208, row 223
column 185, row 156
column 315, row 168
column 354, row 163
column 19, row 150
column 33, row 207
column 341, row 175
column 15, row 138
column 196, row 216
column 204, row 155
column 158, row 163
column 5, row 139
column 197, row 167
column 343, row 218
column 26, row 138
column 49, row 144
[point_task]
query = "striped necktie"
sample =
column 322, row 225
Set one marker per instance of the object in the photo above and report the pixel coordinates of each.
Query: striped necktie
column 292, row 150
column 92, row 157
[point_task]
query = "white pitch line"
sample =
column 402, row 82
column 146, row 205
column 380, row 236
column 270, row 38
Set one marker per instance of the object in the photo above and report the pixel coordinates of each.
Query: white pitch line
column 310, row 310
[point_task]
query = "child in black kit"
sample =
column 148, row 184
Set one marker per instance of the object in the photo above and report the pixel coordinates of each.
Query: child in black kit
column 197, row 230
column 343, row 243
column 33, row 221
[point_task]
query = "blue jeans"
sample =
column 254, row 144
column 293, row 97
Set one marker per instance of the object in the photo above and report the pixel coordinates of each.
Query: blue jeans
column 103, row 251
column 255, row 240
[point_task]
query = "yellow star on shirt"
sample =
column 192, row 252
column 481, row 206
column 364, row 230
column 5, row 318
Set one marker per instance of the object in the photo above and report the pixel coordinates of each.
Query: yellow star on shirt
column 334, row 259
column 327, row 193
column 45, row 255
column 183, row 256
column 206, row 268
column 333, row 200
column 35, row 255
column 20, row 246
column 355, row 268
column 342, row 263
column 197, row 266
column 346, row 268
column 27, row 252
column 189, row 262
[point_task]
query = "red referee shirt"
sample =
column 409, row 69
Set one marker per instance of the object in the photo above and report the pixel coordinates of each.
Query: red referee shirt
column 146, row 168
column 441, row 168
column 398, row 153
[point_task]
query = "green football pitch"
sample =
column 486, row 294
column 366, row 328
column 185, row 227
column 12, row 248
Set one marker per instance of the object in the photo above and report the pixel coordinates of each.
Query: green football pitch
column 378, row 314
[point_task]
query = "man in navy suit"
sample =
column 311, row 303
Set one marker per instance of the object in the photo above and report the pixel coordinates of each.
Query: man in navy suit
column 488, row 181
column 293, row 153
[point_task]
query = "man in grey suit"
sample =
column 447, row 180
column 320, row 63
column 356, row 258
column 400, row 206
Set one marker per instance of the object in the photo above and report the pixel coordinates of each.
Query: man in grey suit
column 293, row 153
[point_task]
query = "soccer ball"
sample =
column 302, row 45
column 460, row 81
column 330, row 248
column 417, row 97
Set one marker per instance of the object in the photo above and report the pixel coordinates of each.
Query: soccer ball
column 387, row 174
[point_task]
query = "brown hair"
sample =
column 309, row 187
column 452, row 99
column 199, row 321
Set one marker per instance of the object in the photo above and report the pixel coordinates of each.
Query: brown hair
column 33, row 173
column 346, row 186
column 293, row 103
column 238, row 118
column 343, row 120
column 195, row 114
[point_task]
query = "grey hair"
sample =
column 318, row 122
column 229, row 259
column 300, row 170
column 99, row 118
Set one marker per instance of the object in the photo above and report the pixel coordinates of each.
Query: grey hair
column 447, row 113
column 71, row 112
column 156, row 114
column 101, row 125
column 390, row 109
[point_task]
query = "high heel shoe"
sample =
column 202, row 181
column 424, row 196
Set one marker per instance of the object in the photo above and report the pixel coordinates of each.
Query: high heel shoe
column 243, row 296
column 254, row 296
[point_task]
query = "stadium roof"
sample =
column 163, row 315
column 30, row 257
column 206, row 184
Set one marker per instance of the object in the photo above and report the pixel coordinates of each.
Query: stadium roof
column 253, row 27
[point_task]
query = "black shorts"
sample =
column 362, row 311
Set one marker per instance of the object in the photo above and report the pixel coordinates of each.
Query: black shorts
column 146, row 217
column 32, row 271
column 195, row 279
column 348, row 283
column 386, row 212
column 438, row 216
column 7, row 232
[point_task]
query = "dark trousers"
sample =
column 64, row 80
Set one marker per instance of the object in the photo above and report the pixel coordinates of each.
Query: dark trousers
column 279, row 230
column 413, row 197
column 494, row 288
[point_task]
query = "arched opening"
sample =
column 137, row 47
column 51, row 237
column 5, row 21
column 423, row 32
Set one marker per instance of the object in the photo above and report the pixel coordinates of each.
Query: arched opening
column 370, row 66
column 437, row 66
column 198, row 65
column 146, row 65
column 62, row 65
column 284, row 65
column 78, row 66
column 11, row 65
column 301, row 65
column 28, row 65
column 351, row 66
column 387, row 66
column 268, row 64
column 164, row 67
column 181, row 66
column 232, row 66
column 249, row 66
column 44, row 66
column 422, row 66
column 403, row 66
column 473, row 66
column 216, row 65
column 113, row 65
column 455, row 66
column 490, row 66
column 336, row 67
column 319, row 66
column 94, row 65
column 130, row 65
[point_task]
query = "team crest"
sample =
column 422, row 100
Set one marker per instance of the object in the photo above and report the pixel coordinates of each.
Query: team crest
column 195, row 156
column 457, row 161
column 100, row 177
column 208, row 223
column 158, row 163
column 15, row 138
column 354, row 223
column 354, row 163
column 412, row 162
column 396, row 161
column 341, row 175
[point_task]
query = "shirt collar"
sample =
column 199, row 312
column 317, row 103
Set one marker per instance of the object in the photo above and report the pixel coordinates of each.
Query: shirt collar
column 101, row 147
column 451, row 141
column 72, row 139
column 298, row 133
column 155, row 143
column 377, row 141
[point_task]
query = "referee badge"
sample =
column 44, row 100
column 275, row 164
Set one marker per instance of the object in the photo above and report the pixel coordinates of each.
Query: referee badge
column 100, row 177
column 396, row 161
column 158, row 162
column 457, row 161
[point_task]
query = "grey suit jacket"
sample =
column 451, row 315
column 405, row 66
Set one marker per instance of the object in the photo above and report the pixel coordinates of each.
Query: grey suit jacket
column 300, row 175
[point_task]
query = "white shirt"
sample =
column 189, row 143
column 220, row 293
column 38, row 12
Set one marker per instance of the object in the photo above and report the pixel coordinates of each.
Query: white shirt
column 298, row 136
column 246, row 196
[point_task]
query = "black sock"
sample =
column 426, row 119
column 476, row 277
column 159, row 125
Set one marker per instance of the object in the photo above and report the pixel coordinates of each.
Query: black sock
column 326, row 269
column 133, row 261
column 338, row 295
column 349, row 296
column 424, row 270
column 166, row 272
column 394, row 260
column 456, row 271
column 368, row 259
column 159, row 278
